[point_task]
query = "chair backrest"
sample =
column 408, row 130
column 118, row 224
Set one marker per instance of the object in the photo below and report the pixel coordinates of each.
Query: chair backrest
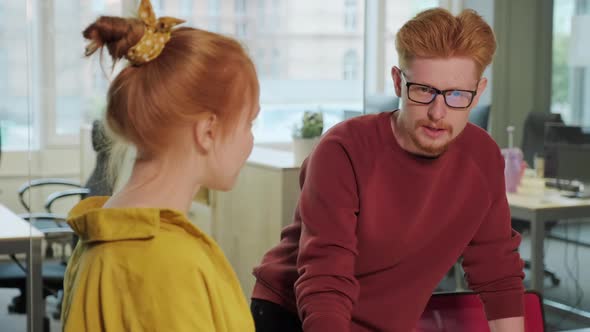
column 480, row 116
column 463, row 312
column 99, row 183
column 533, row 134
column 380, row 103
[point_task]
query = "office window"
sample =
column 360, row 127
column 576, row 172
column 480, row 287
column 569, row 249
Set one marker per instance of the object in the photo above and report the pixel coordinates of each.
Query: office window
column 350, row 15
column 213, row 11
column 98, row 5
column 3, row 69
column 275, row 69
column 16, row 121
column 240, row 7
column 241, row 21
column 299, row 60
column 241, row 29
column 351, row 65
column 571, row 67
column 49, row 87
column 76, row 100
column 159, row 6
column 301, row 67
column 275, row 15
column 186, row 6
column 260, row 63
column 261, row 16
column 397, row 12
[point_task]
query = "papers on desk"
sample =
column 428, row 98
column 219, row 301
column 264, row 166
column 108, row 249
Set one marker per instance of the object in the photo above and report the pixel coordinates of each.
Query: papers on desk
column 14, row 227
column 533, row 194
column 557, row 198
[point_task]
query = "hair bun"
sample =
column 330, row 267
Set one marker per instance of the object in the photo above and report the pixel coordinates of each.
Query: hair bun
column 116, row 33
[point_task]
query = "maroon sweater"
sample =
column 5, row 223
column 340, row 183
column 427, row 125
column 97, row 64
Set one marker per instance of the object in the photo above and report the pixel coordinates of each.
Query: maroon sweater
column 377, row 228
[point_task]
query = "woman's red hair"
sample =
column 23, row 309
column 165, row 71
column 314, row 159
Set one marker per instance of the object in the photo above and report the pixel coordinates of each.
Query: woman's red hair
column 197, row 73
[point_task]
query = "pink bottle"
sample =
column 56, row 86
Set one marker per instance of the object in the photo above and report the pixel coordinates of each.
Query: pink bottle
column 513, row 159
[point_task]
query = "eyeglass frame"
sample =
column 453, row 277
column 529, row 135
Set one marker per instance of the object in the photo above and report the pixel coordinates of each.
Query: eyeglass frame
column 439, row 92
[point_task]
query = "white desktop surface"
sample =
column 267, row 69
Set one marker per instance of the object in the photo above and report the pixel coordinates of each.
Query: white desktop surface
column 18, row 236
column 272, row 158
column 539, row 205
column 13, row 227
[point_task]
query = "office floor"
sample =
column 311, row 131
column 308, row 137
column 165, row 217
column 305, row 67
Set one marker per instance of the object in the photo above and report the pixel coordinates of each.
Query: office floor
column 570, row 262
column 17, row 323
column 560, row 257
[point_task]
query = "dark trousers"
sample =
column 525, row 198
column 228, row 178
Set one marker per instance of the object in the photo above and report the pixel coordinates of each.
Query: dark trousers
column 271, row 317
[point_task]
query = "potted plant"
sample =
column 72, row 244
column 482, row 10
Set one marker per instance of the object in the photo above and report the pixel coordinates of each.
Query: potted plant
column 307, row 135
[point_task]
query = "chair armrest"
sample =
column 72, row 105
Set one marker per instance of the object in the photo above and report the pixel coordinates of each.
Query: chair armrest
column 65, row 193
column 57, row 218
column 43, row 182
column 60, row 228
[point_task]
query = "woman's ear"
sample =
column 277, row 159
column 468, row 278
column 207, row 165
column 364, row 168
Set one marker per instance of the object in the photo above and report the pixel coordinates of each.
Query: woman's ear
column 205, row 131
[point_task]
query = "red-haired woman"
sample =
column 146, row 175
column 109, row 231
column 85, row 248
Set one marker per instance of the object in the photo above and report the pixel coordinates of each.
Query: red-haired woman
column 186, row 101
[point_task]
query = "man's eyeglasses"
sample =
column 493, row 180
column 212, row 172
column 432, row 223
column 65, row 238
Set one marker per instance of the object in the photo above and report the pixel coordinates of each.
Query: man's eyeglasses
column 425, row 94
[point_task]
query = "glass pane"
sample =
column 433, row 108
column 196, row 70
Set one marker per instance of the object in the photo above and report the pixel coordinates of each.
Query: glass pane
column 570, row 83
column 560, row 99
column 15, row 124
column 21, row 305
column 309, row 54
column 399, row 12
column 47, row 89
column 80, row 84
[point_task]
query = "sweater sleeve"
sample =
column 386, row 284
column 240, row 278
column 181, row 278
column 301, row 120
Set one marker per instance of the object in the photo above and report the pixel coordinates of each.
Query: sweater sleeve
column 327, row 288
column 491, row 261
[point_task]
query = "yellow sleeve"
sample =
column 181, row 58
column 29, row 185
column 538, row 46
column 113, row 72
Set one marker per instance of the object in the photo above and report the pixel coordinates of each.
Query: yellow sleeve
column 115, row 293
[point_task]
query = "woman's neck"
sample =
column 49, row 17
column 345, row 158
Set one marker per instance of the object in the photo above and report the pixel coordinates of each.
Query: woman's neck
column 157, row 184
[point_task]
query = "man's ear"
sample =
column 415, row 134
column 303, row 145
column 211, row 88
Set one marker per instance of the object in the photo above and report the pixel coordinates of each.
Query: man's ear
column 396, row 76
column 205, row 131
column 481, row 87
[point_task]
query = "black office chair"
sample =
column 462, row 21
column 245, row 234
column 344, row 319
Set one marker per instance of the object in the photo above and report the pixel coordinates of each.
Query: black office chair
column 54, row 226
column 533, row 134
column 533, row 142
column 380, row 103
column 480, row 116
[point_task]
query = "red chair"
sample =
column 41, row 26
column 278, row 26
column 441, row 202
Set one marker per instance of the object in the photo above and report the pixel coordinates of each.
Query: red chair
column 463, row 312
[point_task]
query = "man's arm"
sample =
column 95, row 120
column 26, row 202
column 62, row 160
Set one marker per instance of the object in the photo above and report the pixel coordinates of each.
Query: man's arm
column 512, row 324
column 491, row 261
column 327, row 287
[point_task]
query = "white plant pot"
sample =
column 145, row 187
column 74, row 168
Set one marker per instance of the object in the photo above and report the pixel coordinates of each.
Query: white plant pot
column 302, row 147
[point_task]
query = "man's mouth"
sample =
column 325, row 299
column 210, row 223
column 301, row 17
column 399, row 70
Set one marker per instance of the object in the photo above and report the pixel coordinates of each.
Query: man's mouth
column 432, row 131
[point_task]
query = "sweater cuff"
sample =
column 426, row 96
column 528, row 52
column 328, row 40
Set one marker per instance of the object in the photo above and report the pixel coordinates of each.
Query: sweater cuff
column 322, row 322
column 505, row 305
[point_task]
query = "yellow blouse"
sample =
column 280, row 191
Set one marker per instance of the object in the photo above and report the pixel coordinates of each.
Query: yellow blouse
column 142, row 269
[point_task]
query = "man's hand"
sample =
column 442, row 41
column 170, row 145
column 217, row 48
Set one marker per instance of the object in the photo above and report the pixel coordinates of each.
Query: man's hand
column 512, row 324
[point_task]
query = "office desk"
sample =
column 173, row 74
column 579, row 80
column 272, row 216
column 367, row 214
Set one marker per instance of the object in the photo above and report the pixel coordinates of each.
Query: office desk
column 18, row 236
column 538, row 205
column 247, row 221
